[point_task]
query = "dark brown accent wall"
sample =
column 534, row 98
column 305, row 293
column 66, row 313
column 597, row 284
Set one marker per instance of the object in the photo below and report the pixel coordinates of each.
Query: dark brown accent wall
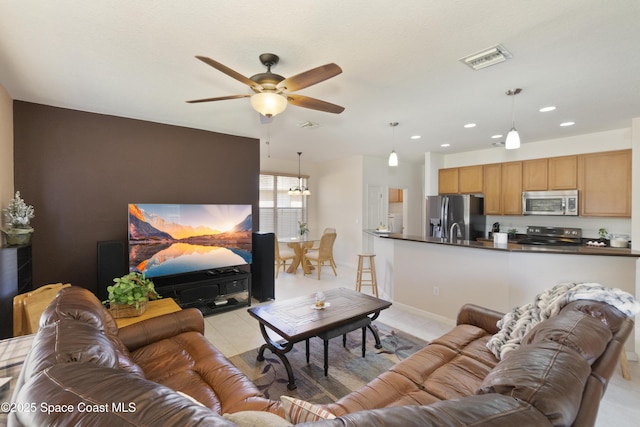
column 80, row 170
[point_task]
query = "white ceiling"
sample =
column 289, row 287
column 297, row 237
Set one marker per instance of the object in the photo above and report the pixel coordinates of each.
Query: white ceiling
column 399, row 59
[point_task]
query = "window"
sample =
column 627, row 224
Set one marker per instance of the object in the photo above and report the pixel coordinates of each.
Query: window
column 280, row 212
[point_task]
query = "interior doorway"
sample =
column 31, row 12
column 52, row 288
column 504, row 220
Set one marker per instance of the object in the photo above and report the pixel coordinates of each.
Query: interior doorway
column 397, row 210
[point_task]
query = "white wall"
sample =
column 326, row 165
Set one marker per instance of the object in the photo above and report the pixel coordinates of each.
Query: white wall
column 339, row 204
column 6, row 149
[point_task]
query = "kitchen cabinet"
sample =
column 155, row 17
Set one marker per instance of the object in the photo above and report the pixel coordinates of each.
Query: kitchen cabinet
column 604, row 182
column 448, row 181
column 470, row 179
column 395, row 195
column 563, row 173
column 492, row 179
column 535, row 175
column 462, row 180
column 511, row 191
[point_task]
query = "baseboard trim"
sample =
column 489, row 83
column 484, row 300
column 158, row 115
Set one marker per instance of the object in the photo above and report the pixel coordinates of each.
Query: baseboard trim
column 425, row 314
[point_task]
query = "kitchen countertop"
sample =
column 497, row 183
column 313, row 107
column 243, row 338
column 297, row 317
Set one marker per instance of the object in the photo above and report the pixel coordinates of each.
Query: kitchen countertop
column 514, row 247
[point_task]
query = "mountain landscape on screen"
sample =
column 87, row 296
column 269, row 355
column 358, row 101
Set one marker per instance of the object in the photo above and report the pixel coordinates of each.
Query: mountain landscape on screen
column 171, row 239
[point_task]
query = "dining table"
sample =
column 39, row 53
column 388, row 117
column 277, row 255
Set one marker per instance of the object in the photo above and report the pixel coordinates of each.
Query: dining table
column 300, row 245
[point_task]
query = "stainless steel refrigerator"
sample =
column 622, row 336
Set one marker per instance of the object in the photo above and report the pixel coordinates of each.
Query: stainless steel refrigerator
column 461, row 214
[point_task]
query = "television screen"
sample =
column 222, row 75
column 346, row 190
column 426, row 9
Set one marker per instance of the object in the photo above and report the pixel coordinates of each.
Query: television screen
column 167, row 239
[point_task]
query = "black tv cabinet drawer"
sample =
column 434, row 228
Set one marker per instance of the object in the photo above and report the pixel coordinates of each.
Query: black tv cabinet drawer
column 212, row 291
column 234, row 286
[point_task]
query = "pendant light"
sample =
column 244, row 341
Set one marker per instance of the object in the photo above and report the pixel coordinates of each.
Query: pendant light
column 513, row 138
column 299, row 190
column 393, row 157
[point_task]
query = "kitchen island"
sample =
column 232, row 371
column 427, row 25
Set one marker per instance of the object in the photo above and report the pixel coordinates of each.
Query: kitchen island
column 438, row 277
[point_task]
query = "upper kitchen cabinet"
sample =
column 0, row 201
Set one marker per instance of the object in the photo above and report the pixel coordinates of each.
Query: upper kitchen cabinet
column 535, row 175
column 462, row 180
column 563, row 173
column 511, row 196
column 395, row 195
column 470, row 180
column 604, row 181
column 448, row 181
column 492, row 175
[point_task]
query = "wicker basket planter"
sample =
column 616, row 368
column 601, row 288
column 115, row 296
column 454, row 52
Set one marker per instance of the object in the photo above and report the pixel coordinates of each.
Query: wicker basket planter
column 119, row 311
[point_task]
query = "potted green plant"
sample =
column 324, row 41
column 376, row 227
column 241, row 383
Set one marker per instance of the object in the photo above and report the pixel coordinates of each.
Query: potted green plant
column 18, row 216
column 129, row 294
column 302, row 228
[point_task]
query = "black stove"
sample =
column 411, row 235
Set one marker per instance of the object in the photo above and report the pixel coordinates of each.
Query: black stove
column 552, row 236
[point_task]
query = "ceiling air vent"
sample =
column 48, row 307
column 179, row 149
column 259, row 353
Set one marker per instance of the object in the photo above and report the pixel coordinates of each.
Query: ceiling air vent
column 308, row 125
column 491, row 56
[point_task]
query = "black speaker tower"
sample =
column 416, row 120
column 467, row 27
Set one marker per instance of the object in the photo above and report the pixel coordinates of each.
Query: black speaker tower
column 112, row 263
column 262, row 266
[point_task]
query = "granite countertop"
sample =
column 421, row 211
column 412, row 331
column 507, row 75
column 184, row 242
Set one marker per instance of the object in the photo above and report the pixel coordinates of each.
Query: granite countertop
column 513, row 246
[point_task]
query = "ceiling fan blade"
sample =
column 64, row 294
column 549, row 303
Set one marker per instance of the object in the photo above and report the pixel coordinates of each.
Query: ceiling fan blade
column 220, row 98
column 314, row 104
column 310, row 77
column 229, row 72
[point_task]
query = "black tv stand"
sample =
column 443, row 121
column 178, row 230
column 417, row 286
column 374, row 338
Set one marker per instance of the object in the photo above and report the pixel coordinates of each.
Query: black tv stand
column 211, row 291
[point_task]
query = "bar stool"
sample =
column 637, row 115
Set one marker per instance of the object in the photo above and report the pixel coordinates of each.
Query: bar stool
column 371, row 270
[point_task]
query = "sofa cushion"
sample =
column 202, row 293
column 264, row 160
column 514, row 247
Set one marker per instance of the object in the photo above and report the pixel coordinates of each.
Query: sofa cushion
column 548, row 375
column 477, row 411
column 586, row 335
column 189, row 363
column 86, row 394
column 426, row 376
column 76, row 327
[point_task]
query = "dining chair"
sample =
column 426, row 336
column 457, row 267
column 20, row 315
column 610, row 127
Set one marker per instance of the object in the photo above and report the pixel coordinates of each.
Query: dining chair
column 28, row 307
column 281, row 257
column 323, row 254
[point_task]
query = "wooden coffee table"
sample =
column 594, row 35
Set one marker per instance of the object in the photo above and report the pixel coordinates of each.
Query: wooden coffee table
column 296, row 320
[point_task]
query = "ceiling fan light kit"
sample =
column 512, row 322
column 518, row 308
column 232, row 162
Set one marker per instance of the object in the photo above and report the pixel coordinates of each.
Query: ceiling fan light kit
column 513, row 138
column 268, row 104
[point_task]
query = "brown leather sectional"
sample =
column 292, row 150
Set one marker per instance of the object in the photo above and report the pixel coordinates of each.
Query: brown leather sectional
column 79, row 358
column 87, row 372
column 556, row 378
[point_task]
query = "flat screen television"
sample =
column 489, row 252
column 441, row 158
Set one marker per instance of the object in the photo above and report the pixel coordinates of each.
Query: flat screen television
column 170, row 239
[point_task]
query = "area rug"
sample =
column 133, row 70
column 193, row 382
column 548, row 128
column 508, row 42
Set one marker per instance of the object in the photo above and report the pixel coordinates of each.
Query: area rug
column 348, row 370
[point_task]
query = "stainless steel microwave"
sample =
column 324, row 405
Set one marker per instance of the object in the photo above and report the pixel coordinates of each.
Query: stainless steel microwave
column 550, row 202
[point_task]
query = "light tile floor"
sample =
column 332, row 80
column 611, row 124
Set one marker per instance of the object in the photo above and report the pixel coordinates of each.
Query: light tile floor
column 235, row 332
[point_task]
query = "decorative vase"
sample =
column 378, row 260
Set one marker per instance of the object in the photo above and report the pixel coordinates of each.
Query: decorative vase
column 18, row 236
column 119, row 311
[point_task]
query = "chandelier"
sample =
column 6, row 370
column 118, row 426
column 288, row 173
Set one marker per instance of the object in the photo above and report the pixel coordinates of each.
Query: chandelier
column 299, row 190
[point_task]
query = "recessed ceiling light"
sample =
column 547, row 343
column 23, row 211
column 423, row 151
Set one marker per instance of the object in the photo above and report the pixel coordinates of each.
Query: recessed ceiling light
column 547, row 109
column 445, row 145
column 496, row 136
column 416, row 137
column 498, row 144
column 567, row 124
column 470, row 125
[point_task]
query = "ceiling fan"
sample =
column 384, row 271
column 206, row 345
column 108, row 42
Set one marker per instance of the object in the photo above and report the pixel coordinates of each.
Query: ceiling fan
column 272, row 92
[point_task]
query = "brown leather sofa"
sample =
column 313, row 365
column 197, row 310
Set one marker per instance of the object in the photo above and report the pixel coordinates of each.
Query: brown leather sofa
column 80, row 359
column 555, row 378
column 82, row 370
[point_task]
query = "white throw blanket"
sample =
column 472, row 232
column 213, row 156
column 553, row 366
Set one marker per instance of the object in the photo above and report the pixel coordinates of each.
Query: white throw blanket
column 515, row 324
